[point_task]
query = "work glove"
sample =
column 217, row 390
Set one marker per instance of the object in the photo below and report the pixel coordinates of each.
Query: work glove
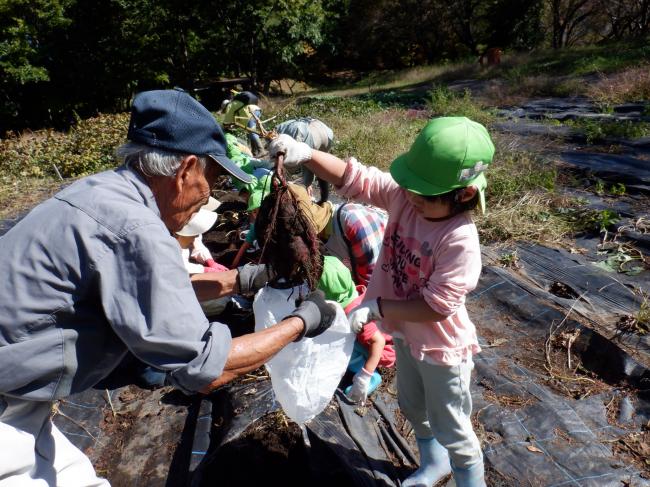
column 252, row 277
column 366, row 312
column 295, row 153
column 317, row 314
column 360, row 385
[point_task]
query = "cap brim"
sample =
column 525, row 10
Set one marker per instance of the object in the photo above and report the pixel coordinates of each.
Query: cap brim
column 233, row 169
column 212, row 204
column 200, row 223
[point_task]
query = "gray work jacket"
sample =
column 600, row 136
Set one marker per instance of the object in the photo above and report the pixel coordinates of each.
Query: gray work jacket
column 93, row 272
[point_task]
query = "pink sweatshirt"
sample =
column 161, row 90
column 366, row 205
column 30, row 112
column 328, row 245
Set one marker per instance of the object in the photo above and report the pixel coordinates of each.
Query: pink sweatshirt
column 437, row 261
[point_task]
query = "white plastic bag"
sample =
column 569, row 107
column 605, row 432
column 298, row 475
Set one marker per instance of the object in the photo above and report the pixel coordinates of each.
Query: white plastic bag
column 304, row 374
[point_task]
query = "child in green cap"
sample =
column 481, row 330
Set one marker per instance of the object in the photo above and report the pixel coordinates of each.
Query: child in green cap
column 256, row 191
column 372, row 348
column 430, row 260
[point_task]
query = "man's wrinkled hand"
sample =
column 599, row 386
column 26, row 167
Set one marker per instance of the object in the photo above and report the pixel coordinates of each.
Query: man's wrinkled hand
column 295, row 153
column 366, row 312
column 317, row 314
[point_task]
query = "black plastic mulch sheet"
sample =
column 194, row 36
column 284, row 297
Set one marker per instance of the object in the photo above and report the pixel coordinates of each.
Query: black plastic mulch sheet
column 133, row 437
column 628, row 165
column 534, row 429
column 550, row 432
column 344, row 445
column 79, row 417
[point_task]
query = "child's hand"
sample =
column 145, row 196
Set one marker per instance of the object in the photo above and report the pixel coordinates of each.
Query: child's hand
column 366, row 312
column 360, row 384
column 215, row 265
column 295, row 153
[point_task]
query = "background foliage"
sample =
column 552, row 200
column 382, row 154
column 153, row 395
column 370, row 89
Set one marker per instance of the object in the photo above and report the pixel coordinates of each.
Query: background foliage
column 61, row 60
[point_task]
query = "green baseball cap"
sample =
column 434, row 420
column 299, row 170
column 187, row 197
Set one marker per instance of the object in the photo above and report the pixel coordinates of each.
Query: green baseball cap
column 336, row 281
column 449, row 153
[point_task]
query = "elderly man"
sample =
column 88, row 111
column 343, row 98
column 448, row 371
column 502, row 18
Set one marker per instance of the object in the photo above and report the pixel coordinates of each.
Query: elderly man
column 94, row 272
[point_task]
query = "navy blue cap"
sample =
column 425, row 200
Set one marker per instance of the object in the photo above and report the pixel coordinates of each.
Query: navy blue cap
column 174, row 121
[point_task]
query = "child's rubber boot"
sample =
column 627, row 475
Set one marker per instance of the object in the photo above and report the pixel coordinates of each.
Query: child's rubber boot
column 358, row 358
column 473, row 476
column 375, row 380
column 434, row 464
column 356, row 363
column 150, row 378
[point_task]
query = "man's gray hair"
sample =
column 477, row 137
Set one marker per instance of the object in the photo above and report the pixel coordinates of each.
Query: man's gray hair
column 151, row 161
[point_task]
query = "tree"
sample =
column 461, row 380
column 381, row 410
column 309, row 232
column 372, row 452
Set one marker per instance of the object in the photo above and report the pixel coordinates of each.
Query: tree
column 24, row 26
column 263, row 39
column 514, row 24
column 628, row 19
column 568, row 19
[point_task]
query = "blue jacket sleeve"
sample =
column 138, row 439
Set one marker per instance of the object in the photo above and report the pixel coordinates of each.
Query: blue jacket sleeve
column 150, row 304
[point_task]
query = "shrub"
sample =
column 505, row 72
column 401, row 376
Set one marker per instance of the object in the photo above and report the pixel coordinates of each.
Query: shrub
column 87, row 148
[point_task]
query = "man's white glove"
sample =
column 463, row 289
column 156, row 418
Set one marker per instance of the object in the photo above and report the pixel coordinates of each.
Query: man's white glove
column 366, row 312
column 295, row 153
column 360, row 384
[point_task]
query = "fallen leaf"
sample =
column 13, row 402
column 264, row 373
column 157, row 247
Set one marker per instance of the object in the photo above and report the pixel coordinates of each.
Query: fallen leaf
column 498, row 342
column 534, row 449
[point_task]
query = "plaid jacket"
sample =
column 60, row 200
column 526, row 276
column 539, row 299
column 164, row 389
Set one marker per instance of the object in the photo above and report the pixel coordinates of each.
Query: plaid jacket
column 362, row 228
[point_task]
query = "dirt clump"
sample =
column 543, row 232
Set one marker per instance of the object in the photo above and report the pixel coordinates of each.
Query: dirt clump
column 269, row 452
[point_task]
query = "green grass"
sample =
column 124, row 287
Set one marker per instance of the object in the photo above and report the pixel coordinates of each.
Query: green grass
column 521, row 200
column 377, row 121
column 579, row 61
column 544, row 72
column 596, row 131
column 446, row 103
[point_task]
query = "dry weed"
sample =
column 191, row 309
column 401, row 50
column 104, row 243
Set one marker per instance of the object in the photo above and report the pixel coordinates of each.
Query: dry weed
column 19, row 195
column 526, row 218
column 632, row 84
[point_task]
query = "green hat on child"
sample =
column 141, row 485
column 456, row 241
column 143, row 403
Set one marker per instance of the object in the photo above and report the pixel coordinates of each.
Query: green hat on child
column 259, row 192
column 336, row 281
column 449, row 153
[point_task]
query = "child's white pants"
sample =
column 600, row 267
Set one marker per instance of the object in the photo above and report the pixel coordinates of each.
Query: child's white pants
column 33, row 452
column 436, row 400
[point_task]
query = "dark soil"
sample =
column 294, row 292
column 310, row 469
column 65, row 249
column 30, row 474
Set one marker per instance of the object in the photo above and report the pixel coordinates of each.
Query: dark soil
column 270, row 452
column 273, row 452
